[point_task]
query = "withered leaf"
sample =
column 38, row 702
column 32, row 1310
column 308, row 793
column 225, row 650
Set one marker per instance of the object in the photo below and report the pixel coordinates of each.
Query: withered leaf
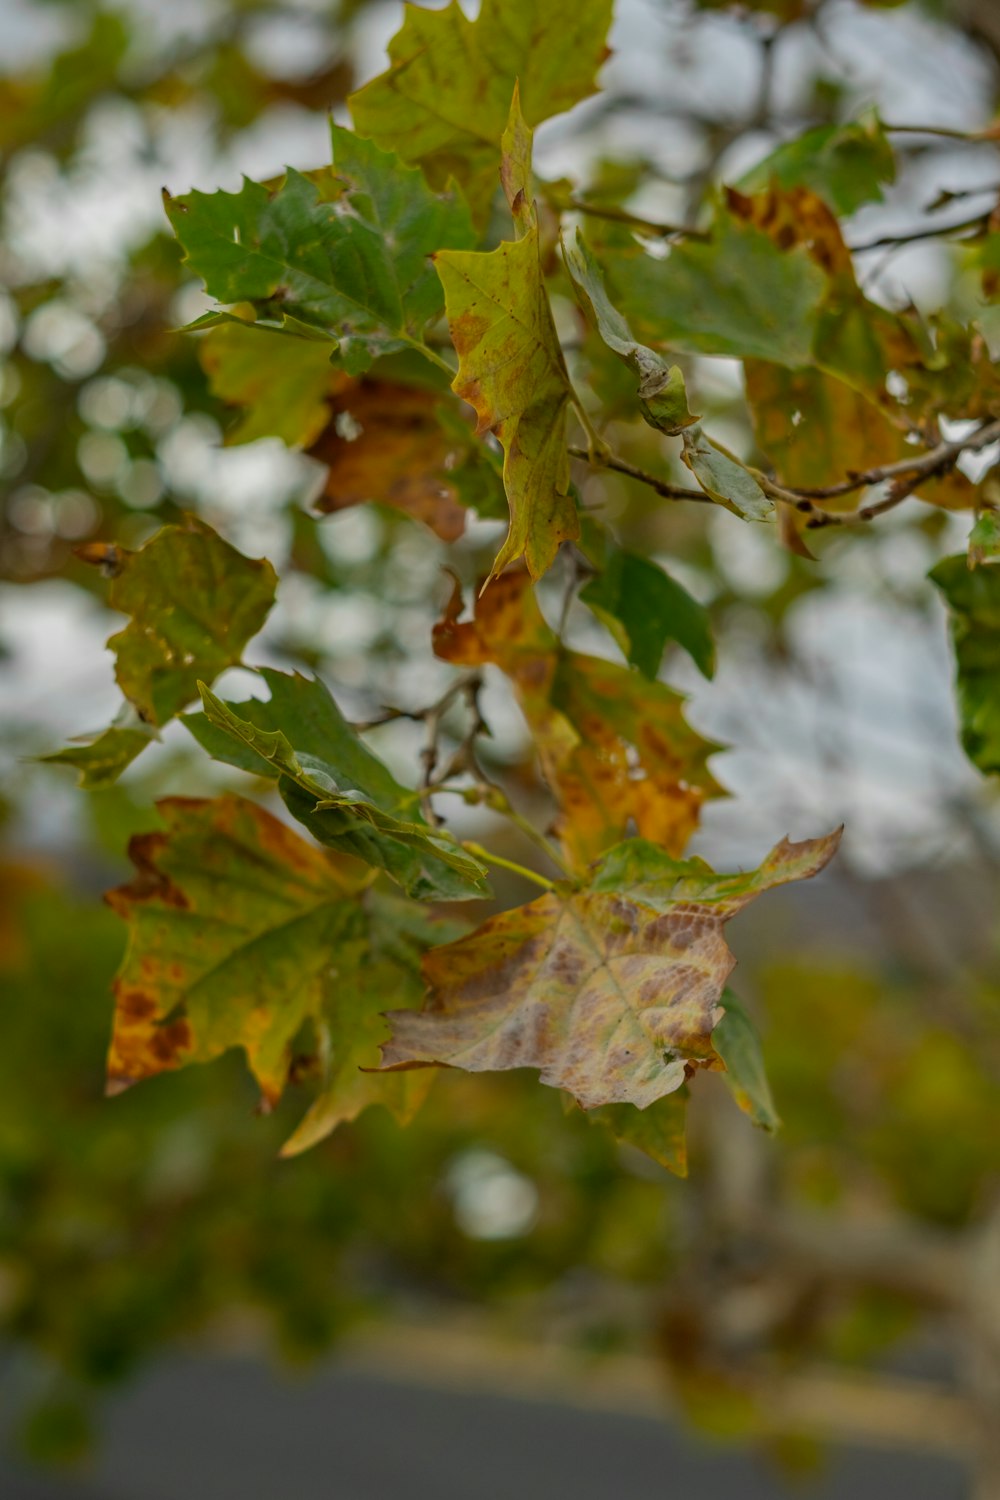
column 614, row 747
column 611, row 991
column 385, row 442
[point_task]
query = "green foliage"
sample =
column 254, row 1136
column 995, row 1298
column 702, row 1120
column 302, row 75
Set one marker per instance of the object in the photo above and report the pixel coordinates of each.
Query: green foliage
column 845, row 164
column 367, row 310
column 445, row 98
column 334, row 785
column 344, row 256
column 973, row 596
column 644, row 608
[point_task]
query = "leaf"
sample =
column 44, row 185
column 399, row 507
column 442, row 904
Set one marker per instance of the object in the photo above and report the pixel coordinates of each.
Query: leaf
column 736, row 294
column 736, row 1041
column 662, row 393
column 195, row 602
column 386, row 442
column 658, row 1130
column 815, row 429
column 101, row 760
column 845, row 164
column 973, row 596
column 644, row 607
column 615, row 749
column 285, row 383
column 445, row 97
column 331, row 782
column 984, row 539
column 240, row 935
column 728, row 482
column 515, row 167
column 853, row 338
column 511, row 370
column 351, row 258
column 611, row 991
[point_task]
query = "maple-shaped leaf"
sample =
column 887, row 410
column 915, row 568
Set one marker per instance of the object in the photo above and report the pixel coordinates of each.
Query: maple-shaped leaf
column 281, row 384
column 349, row 257
column 662, row 393
column 644, row 608
column 973, row 596
column 444, row 100
column 241, row 935
column 512, row 372
column 333, row 784
column 195, row 602
column 400, row 446
column 611, row 991
column 614, row 747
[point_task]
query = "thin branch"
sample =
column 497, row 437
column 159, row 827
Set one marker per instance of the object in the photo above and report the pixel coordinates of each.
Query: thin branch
column 936, row 461
column 911, row 237
column 987, row 137
column 651, row 227
column 622, row 466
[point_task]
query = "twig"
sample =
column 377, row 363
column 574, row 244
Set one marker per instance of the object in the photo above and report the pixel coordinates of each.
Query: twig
column 911, row 237
column 650, row 227
column 622, row 466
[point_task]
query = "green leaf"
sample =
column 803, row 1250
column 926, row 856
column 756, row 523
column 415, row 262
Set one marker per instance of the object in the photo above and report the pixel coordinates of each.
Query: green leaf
column 445, row 97
column 101, row 760
column 845, row 164
column 282, row 383
column 243, row 935
column 353, row 260
column 610, row 991
column 736, row 294
column 511, row 370
column 353, row 1026
column 658, row 1130
column 195, row 602
column 662, row 393
column 736, row 1041
column 984, row 539
column 973, row 597
column 727, row 482
column 644, row 607
column 331, row 782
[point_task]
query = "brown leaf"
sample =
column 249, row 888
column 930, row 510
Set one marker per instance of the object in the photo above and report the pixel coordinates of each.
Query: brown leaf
column 614, row 747
column 612, row 992
column 384, row 442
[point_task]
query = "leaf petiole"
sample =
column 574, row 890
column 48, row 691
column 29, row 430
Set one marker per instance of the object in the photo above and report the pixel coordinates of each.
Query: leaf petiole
column 478, row 852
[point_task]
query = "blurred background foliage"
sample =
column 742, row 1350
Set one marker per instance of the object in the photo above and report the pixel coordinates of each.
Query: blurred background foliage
column 127, row 1225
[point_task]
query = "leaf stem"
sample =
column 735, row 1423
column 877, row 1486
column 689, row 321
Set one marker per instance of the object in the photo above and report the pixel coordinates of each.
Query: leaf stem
column 507, row 864
column 597, row 449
